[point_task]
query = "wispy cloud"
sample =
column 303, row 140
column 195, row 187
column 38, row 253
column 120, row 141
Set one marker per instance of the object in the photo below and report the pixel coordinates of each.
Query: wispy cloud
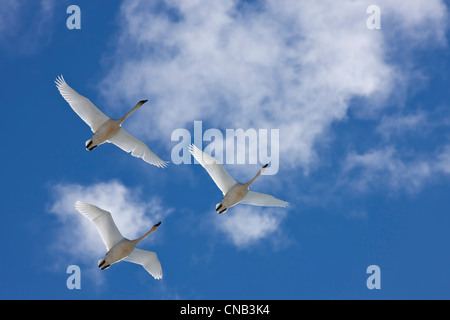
column 78, row 237
column 26, row 26
column 400, row 124
column 421, row 22
column 388, row 168
column 442, row 162
column 8, row 14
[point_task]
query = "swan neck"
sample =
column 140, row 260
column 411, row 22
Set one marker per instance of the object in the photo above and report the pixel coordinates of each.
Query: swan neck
column 143, row 237
column 137, row 106
column 253, row 180
column 153, row 229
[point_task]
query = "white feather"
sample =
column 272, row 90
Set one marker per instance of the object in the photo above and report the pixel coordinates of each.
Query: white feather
column 129, row 143
column 103, row 221
column 148, row 260
column 262, row 199
column 214, row 168
column 85, row 109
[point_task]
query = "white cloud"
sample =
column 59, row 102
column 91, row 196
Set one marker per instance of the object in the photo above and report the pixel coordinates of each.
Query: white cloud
column 79, row 239
column 418, row 20
column 289, row 65
column 246, row 225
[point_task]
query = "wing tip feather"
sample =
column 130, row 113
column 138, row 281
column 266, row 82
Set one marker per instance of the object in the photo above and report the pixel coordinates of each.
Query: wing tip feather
column 60, row 81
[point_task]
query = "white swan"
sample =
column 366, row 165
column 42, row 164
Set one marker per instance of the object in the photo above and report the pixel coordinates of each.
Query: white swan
column 106, row 129
column 234, row 192
column 118, row 247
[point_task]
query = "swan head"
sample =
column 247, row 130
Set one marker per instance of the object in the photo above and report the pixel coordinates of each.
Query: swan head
column 264, row 167
column 156, row 225
column 137, row 106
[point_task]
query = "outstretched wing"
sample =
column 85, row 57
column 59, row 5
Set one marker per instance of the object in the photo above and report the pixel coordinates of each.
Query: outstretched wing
column 148, row 260
column 103, row 221
column 214, row 168
column 81, row 105
column 129, row 143
column 262, row 199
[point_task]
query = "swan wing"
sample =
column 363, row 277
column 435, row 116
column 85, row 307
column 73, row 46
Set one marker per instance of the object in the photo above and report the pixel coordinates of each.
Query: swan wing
column 262, row 199
column 103, row 221
column 81, row 105
column 148, row 260
column 129, row 143
column 214, row 168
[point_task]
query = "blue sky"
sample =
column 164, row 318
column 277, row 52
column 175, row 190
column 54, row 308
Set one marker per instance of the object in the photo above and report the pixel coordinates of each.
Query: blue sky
column 364, row 152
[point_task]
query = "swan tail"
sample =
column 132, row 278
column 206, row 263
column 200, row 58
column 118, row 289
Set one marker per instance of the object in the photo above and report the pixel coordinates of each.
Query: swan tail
column 220, row 208
column 89, row 145
column 102, row 264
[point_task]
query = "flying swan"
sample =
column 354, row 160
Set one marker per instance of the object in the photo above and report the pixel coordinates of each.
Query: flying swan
column 106, row 129
column 234, row 192
column 118, row 247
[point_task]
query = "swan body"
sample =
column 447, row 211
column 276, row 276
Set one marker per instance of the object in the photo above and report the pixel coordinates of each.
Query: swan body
column 106, row 129
column 117, row 253
column 232, row 197
column 118, row 247
column 233, row 192
column 105, row 132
